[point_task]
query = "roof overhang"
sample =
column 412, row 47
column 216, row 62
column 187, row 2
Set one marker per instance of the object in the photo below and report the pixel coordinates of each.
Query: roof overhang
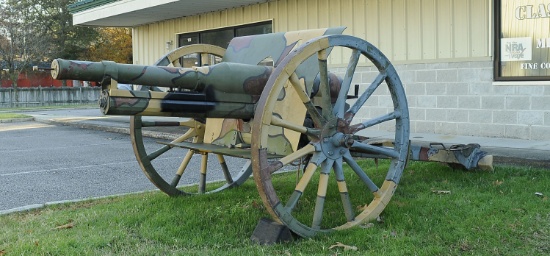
column 132, row 13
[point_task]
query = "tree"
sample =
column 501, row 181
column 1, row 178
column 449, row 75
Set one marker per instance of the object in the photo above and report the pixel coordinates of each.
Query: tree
column 42, row 30
column 113, row 44
column 24, row 37
column 65, row 40
column 76, row 42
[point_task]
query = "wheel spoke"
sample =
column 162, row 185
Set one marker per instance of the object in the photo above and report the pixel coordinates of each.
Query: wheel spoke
column 225, row 170
column 304, row 97
column 182, row 168
column 375, row 149
column 324, row 86
column 365, row 96
column 378, row 120
column 346, row 83
column 158, row 152
column 202, row 179
column 321, row 194
column 189, row 134
column 306, row 150
column 362, row 175
column 176, row 63
column 343, row 189
column 301, row 186
column 275, row 120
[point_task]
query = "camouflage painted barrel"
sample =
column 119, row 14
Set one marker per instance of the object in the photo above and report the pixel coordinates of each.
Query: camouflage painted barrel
column 224, row 90
column 221, row 90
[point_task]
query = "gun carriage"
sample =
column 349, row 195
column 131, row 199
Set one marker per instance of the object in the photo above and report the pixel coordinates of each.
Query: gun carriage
column 295, row 111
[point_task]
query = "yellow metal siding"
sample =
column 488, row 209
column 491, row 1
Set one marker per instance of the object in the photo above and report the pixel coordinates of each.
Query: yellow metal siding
column 480, row 28
column 372, row 25
column 359, row 19
column 414, row 30
column 384, row 13
column 399, row 30
column 461, row 26
column 411, row 31
column 429, row 29
column 444, row 28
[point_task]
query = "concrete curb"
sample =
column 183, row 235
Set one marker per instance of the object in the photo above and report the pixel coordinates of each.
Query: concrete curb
column 40, row 206
column 515, row 161
column 22, row 209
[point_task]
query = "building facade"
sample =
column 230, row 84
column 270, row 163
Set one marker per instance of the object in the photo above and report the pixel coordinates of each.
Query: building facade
column 469, row 67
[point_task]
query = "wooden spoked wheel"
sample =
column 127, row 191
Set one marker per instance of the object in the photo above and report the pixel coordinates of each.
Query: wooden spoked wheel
column 336, row 190
column 167, row 178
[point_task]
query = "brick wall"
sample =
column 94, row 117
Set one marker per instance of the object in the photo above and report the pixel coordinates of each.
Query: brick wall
column 459, row 98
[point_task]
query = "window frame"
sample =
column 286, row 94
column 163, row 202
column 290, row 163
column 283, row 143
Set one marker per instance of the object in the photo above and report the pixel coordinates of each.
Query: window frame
column 198, row 36
column 497, row 31
column 234, row 28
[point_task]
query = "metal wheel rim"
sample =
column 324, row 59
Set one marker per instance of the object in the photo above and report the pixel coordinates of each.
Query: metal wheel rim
column 262, row 169
column 136, row 132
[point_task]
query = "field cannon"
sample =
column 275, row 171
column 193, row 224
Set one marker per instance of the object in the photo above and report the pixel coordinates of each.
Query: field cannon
column 275, row 100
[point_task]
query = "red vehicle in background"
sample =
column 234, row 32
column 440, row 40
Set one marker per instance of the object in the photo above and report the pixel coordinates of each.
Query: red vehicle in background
column 34, row 79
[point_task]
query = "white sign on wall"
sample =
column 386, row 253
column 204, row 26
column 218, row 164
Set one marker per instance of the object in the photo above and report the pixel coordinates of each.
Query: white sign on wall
column 516, row 49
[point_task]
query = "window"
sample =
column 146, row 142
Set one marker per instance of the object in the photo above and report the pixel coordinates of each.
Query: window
column 220, row 37
column 522, row 40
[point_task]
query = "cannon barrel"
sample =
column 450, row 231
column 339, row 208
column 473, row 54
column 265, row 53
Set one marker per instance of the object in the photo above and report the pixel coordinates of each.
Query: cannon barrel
column 234, row 82
column 221, row 90
column 179, row 104
column 224, row 90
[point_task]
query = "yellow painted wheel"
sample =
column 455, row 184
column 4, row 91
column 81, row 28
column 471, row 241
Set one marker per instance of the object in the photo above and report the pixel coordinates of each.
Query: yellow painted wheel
column 153, row 161
column 335, row 190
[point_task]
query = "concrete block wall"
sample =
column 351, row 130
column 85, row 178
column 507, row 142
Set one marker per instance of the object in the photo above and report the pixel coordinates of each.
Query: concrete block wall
column 459, row 98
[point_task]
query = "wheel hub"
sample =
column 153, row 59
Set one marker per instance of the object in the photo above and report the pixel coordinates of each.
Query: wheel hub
column 334, row 141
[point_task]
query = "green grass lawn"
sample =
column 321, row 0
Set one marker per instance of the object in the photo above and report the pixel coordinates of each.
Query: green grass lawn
column 12, row 116
column 12, row 113
column 483, row 213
